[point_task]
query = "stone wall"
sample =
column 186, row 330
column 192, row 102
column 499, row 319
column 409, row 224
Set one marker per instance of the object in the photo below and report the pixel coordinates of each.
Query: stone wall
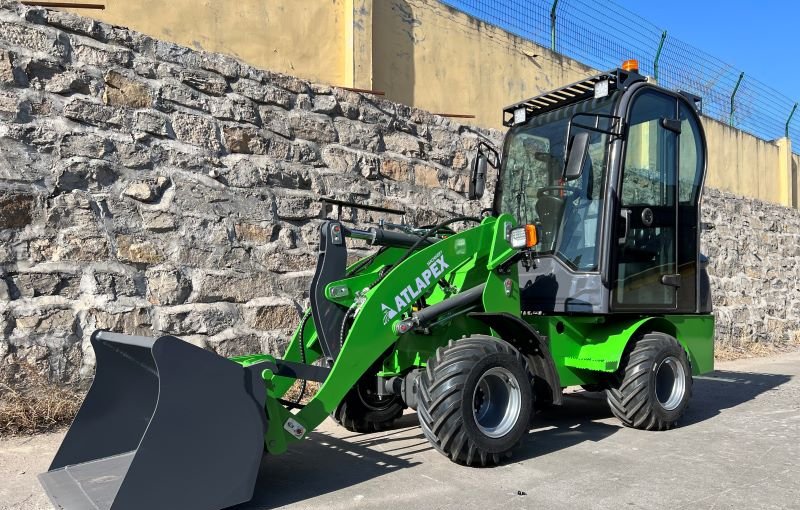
column 150, row 188
column 754, row 253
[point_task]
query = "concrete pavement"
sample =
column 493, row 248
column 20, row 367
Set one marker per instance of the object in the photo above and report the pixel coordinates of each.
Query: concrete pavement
column 738, row 447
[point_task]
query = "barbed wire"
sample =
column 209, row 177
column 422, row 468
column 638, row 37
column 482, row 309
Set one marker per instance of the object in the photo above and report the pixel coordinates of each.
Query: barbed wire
column 602, row 36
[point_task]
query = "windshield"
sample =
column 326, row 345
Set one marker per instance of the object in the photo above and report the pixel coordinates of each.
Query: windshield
column 532, row 189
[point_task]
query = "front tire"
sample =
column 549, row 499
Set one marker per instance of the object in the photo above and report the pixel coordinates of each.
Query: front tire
column 475, row 400
column 363, row 411
column 655, row 385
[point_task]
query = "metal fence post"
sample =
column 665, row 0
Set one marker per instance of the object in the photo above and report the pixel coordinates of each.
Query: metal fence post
column 553, row 25
column 658, row 55
column 790, row 120
column 733, row 95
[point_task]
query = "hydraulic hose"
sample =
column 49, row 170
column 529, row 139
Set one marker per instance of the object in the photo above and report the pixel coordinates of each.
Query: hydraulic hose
column 303, row 323
column 365, row 262
column 427, row 235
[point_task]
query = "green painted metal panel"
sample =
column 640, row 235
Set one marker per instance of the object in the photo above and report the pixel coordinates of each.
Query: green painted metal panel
column 584, row 345
column 696, row 334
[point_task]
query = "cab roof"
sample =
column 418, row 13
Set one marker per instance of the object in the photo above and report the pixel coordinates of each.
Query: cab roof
column 573, row 93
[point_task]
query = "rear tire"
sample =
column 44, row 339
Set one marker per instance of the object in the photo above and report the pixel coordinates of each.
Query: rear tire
column 654, row 387
column 363, row 411
column 475, row 400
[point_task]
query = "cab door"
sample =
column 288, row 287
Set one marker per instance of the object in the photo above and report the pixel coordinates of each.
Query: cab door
column 645, row 244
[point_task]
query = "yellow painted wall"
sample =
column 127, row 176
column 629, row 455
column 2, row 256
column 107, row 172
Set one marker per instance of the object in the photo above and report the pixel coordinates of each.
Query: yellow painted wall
column 299, row 37
column 439, row 59
column 741, row 163
column 795, row 180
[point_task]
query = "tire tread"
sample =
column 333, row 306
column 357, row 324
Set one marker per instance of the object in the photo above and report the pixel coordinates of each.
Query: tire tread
column 628, row 398
column 440, row 397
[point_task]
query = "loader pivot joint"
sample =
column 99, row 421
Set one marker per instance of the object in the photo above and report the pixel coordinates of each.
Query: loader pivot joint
column 331, row 266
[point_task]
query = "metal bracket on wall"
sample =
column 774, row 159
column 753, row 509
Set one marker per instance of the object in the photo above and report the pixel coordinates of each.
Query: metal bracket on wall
column 69, row 5
column 364, row 91
column 366, row 207
column 456, row 115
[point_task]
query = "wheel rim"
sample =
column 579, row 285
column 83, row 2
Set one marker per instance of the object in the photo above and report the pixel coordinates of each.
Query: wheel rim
column 670, row 383
column 372, row 400
column 496, row 402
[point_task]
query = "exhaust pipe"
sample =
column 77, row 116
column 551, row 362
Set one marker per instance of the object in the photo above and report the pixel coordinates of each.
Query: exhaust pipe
column 165, row 425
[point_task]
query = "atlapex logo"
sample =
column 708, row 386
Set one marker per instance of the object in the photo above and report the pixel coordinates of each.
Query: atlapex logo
column 436, row 266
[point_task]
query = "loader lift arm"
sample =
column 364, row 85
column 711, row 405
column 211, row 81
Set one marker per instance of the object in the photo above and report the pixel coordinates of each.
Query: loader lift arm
column 379, row 306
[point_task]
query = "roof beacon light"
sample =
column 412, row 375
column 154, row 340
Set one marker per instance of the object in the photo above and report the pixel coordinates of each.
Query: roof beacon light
column 631, row 65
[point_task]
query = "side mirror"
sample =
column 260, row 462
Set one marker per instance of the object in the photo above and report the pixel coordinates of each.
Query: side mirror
column 477, row 182
column 577, row 156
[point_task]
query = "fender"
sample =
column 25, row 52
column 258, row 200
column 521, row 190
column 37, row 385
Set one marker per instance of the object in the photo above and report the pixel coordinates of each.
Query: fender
column 524, row 337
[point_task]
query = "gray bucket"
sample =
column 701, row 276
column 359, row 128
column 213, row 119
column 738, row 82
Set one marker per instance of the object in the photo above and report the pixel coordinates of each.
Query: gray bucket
column 165, row 425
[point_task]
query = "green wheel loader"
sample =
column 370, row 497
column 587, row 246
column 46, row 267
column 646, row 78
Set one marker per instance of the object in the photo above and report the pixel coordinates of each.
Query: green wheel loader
column 586, row 271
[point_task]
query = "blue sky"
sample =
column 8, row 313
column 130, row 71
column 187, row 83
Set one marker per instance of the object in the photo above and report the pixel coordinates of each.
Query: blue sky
column 760, row 38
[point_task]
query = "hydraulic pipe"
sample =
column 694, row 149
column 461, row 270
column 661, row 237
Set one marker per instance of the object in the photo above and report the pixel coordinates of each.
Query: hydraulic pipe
column 383, row 237
column 364, row 235
column 458, row 301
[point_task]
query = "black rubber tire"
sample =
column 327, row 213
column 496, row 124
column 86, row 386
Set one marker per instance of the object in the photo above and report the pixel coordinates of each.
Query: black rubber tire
column 361, row 412
column 542, row 391
column 632, row 395
column 446, row 391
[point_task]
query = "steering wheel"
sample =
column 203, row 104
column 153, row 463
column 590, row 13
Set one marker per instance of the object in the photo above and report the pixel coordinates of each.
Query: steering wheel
column 547, row 190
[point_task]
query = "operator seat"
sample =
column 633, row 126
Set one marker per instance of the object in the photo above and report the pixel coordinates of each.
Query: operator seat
column 550, row 209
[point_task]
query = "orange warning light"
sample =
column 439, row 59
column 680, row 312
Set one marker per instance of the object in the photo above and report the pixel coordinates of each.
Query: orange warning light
column 631, row 65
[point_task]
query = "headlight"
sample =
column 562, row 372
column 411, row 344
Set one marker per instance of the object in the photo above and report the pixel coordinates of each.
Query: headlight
column 523, row 237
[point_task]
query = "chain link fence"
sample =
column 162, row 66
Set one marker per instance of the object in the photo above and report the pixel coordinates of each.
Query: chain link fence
column 602, row 35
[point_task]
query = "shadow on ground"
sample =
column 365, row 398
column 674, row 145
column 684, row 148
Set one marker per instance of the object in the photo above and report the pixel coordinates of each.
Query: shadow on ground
column 723, row 389
column 578, row 420
column 558, row 428
column 326, row 463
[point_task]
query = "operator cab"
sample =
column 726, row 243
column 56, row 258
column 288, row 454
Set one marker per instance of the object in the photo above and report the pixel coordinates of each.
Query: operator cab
column 610, row 170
